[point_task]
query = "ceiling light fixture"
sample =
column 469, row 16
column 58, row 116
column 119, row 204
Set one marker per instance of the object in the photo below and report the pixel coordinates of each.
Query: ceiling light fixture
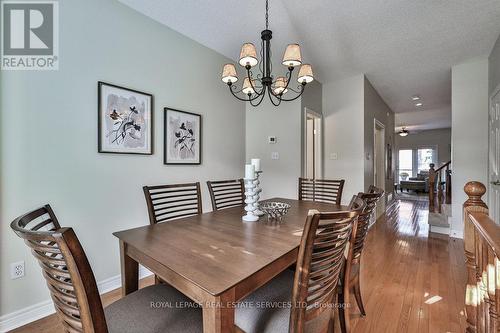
column 415, row 98
column 418, row 104
column 403, row 132
column 255, row 88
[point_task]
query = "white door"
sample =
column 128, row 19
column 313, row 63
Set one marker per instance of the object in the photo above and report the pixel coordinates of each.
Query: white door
column 313, row 156
column 494, row 158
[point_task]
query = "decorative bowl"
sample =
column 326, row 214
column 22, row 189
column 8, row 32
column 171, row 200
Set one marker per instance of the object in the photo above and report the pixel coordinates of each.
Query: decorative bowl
column 274, row 210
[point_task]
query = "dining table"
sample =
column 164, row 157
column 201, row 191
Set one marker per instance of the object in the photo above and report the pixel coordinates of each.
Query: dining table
column 215, row 258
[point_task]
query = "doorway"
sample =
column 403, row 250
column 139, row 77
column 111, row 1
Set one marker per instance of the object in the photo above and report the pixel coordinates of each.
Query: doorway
column 494, row 157
column 379, row 161
column 313, row 156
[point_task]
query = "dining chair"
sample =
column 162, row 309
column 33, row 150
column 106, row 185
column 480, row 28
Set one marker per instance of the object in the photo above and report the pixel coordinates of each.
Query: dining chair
column 73, row 288
column 322, row 190
column 226, row 193
column 350, row 276
column 309, row 306
column 168, row 202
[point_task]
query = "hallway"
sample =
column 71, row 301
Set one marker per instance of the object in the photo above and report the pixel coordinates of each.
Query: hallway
column 411, row 281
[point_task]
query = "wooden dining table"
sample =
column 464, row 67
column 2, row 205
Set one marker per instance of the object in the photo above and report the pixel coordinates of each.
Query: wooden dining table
column 215, row 258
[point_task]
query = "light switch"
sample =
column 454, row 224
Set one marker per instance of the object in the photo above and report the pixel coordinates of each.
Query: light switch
column 275, row 155
column 334, row 156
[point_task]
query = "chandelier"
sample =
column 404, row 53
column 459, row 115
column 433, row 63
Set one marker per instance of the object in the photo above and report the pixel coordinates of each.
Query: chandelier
column 254, row 89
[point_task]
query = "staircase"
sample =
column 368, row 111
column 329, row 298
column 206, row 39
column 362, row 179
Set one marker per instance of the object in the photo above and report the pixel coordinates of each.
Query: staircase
column 440, row 198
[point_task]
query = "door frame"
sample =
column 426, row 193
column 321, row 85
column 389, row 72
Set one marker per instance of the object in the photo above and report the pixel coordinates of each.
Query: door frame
column 377, row 125
column 490, row 186
column 318, row 142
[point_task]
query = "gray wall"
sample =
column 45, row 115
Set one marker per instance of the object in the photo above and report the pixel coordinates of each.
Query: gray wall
column 376, row 108
column 280, row 177
column 439, row 137
column 48, row 134
column 343, row 112
column 494, row 67
column 469, row 135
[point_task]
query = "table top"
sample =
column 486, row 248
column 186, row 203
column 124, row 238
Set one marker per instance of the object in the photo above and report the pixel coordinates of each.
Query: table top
column 217, row 250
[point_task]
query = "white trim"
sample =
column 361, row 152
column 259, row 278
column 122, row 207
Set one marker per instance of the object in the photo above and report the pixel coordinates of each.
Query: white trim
column 439, row 230
column 37, row 311
column 457, row 234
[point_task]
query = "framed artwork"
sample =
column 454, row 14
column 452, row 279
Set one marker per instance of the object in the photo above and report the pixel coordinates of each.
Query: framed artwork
column 125, row 120
column 182, row 137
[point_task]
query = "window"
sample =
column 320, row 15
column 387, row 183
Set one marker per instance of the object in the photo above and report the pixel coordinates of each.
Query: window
column 405, row 164
column 411, row 162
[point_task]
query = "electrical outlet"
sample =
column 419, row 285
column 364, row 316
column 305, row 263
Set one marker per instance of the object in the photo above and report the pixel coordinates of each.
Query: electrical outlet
column 17, row 270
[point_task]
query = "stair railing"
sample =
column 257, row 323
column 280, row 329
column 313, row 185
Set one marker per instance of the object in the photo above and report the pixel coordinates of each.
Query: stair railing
column 482, row 250
column 438, row 186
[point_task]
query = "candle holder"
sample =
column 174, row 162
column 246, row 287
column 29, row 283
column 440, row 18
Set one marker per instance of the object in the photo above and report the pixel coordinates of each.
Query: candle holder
column 256, row 182
column 250, row 200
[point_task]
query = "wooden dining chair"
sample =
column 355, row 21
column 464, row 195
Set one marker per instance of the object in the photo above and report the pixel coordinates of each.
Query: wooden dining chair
column 322, row 190
column 168, row 202
column 350, row 276
column 313, row 284
column 226, row 193
column 73, row 288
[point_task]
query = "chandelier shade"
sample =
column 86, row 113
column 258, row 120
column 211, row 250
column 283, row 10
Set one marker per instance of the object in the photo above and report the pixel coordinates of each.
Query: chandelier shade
column 256, row 87
column 248, row 55
column 248, row 88
column 305, row 74
column 280, row 86
column 229, row 74
column 292, row 56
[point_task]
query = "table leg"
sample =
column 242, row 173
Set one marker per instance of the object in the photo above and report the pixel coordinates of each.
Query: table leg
column 218, row 313
column 129, row 270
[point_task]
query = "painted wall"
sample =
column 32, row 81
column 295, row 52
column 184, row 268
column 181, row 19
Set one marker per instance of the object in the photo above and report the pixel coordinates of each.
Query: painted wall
column 376, row 108
column 439, row 137
column 494, row 67
column 343, row 112
column 49, row 134
column 280, row 176
column 469, row 136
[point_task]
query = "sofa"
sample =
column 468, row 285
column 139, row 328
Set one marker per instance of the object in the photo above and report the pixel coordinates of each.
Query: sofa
column 418, row 184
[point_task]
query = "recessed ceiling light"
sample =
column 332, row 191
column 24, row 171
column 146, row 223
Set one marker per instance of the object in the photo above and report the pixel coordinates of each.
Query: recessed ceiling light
column 418, row 104
column 415, row 98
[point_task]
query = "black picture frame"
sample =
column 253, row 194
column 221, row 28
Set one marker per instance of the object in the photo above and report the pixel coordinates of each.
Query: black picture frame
column 166, row 133
column 101, row 108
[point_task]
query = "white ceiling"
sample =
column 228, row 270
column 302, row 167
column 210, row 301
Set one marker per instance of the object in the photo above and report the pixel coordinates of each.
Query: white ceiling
column 404, row 47
column 424, row 120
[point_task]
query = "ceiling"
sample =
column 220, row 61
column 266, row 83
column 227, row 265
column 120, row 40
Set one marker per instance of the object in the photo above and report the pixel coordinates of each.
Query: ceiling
column 405, row 47
column 423, row 120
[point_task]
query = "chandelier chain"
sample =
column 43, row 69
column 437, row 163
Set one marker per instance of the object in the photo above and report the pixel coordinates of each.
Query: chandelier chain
column 267, row 14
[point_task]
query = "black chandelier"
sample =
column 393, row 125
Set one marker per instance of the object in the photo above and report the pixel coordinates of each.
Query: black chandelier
column 254, row 89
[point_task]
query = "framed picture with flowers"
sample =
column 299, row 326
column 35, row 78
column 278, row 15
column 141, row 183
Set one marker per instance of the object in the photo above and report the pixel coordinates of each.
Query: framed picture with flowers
column 182, row 137
column 125, row 120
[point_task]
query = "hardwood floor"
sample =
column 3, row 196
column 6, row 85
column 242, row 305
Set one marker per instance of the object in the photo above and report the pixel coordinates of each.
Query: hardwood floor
column 411, row 281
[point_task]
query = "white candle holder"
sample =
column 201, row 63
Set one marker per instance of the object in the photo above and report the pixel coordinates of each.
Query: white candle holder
column 256, row 182
column 250, row 199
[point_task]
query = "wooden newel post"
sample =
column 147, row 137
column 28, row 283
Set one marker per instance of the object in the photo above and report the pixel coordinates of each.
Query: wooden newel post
column 474, row 203
column 432, row 186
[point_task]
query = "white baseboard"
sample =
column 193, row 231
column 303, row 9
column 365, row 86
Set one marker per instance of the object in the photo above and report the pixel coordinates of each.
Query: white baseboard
column 439, row 230
column 37, row 311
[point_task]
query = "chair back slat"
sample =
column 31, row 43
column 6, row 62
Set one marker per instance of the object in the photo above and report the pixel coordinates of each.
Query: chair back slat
column 66, row 269
column 168, row 202
column 364, row 217
column 322, row 190
column 226, row 193
column 319, row 263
